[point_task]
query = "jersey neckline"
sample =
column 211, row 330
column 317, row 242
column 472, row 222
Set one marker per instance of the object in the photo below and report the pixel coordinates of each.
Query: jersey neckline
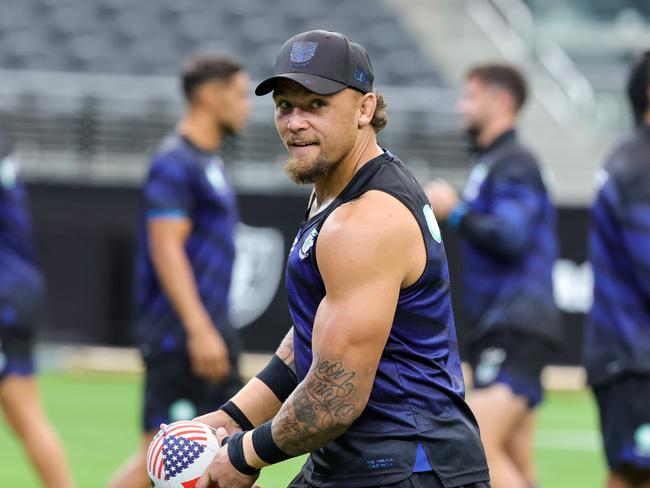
column 384, row 157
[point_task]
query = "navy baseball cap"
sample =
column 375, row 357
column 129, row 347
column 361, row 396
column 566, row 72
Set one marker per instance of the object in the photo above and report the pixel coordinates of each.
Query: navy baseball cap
column 323, row 62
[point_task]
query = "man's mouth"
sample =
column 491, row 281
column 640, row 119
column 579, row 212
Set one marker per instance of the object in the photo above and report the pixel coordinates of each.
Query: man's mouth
column 302, row 143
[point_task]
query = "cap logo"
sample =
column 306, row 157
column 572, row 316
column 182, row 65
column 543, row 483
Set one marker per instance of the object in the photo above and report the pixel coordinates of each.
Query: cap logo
column 360, row 76
column 301, row 53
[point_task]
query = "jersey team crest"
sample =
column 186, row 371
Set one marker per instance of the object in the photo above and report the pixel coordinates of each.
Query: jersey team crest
column 307, row 244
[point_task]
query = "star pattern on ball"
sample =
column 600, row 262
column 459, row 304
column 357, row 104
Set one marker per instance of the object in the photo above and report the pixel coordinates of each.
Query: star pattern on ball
column 179, row 453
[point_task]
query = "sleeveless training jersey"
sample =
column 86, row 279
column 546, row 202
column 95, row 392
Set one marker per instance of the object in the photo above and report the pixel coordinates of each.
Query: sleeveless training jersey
column 416, row 410
column 186, row 182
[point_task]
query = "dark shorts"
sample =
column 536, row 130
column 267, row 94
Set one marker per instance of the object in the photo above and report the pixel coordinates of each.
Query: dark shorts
column 513, row 359
column 416, row 480
column 16, row 351
column 173, row 392
column 624, row 407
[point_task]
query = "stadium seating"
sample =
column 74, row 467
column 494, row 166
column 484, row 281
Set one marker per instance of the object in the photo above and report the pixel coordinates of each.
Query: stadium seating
column 136, row 37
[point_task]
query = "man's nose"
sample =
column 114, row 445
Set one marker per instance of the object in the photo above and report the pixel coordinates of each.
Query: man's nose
column 297, row 120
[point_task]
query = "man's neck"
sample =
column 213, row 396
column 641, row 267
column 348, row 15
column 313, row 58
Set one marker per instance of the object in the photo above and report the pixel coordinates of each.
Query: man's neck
column 327, row 189
column 198, row 127
column 494, row 130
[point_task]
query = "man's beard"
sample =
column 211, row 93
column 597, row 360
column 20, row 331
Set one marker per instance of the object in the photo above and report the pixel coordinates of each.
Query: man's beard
column 471, row 134
column 227, row 129
column 305, row 172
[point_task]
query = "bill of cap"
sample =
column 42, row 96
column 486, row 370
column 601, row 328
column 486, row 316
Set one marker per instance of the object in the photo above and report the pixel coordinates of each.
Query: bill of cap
column 313, row 83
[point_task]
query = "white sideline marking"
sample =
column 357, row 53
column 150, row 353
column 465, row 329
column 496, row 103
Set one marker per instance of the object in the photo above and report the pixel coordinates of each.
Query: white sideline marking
column 568, row 440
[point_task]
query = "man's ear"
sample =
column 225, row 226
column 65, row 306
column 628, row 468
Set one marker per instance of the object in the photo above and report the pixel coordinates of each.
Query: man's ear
column 209, row 94
column 367, row 106
column 505, row 100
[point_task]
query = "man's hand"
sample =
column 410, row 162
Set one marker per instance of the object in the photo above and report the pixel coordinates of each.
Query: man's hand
column 221, row 472
column 443, row 198
column 219, row 420
column 208, row 353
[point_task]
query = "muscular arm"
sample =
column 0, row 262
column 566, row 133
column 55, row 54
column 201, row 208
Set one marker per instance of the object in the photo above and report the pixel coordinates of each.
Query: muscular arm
column 363, row 268
column 167, row 237
column 207, row 349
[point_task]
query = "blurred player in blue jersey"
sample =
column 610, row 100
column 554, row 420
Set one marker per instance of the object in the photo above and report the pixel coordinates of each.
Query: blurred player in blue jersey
column 21, row 300
column 185, row 258
column 617, row 341
column 368, row 381
column 506, row 222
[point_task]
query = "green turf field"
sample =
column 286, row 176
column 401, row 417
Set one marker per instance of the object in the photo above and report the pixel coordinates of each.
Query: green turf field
column 97, row 416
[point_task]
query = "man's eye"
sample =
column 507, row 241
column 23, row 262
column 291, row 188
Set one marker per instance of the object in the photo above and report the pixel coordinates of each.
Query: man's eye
column 283, row 105
column 317, row 104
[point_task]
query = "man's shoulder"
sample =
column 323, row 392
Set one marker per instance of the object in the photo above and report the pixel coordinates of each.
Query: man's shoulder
column 172, row 149
column 171, row 160
column 374, row 218
column 371, row 236
column 374, row 205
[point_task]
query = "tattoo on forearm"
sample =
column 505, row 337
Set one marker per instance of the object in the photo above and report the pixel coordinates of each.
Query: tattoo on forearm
column 319, row 410
column 285, row 351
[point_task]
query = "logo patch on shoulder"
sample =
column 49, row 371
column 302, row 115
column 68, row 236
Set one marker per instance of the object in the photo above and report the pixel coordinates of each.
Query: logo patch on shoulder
column 302, row 52
column 432, row 223
column 215, row 177
column 307, row 244
column 8, row 172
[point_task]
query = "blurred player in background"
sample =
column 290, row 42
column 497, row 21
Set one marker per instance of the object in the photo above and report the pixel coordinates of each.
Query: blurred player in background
column 506, row 222
column 21, row 301
column 617, row 344
column 369, row 380
column 185, row 259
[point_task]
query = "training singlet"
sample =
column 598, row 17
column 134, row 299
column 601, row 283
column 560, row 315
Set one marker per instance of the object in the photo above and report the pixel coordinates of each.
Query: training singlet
column 416, row 408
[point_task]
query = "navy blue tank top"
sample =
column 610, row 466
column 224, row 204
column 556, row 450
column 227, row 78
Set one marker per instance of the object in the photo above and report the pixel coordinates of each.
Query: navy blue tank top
column 416, row 407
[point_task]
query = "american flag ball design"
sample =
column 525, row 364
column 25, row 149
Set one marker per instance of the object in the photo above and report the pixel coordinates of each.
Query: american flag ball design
column 179, row 454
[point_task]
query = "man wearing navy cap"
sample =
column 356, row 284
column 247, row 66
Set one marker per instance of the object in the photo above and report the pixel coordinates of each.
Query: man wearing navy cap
column 368, row 380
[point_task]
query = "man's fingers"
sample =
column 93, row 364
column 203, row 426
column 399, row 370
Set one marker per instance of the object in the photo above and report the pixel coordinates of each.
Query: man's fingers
column 205, row 481
column 224, row 369
column 221, row 435
column 197, row 365
column 214, row 371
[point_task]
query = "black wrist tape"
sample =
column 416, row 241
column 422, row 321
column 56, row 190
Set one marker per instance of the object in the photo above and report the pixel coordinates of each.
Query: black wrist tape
column 279, row 377
column 265, row 447
column 236, row 454
column 237, row 415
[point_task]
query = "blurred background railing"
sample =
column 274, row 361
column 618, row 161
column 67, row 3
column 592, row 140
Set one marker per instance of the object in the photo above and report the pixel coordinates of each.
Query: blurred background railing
column 102, row 129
